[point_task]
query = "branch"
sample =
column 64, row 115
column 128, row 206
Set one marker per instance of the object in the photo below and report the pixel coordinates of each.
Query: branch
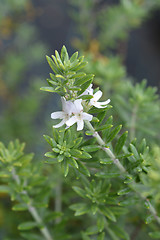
column 121, row 168
column 33, row 211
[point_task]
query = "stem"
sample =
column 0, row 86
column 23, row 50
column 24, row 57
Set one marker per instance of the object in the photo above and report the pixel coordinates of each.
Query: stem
column 58, row 198
column 38, row 219
column 106, row 150
column 33, row 210
column 121, row 168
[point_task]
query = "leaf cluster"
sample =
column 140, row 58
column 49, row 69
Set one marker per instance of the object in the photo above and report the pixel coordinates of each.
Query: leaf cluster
column 67, row 79
column 67, row 151
column 26, row 184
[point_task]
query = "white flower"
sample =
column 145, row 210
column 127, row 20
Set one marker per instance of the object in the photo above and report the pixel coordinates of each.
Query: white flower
column 78, row 115
column 88, row 91
column 96, row 97
column 64, row 114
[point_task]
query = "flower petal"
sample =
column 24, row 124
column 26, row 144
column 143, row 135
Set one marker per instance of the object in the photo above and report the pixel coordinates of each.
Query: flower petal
column 90, row 89
column 59, row 124
column 101, row 104
column 71, row 121
column 56, row 115
column 105, row 102
column 97, row 95
column 66, row 106
column 80, row 125
column 77, row 106
column 87, row 116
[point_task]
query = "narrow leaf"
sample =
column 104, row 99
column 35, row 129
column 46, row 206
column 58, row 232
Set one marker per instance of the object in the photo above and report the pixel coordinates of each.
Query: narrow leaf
column 27, row 225
column 120, row 143
column 113, row 133
column 90, row 148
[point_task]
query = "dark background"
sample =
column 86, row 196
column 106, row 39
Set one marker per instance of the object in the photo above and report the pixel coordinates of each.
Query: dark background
column 143, row 48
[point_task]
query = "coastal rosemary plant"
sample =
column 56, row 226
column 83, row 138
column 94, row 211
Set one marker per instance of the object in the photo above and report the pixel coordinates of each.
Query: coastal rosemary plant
column 98, row 179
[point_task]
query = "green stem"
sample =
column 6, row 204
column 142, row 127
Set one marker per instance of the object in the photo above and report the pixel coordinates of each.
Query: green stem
column 106, row 150
column 58, row 198
column 33, row 210
column 121, row 168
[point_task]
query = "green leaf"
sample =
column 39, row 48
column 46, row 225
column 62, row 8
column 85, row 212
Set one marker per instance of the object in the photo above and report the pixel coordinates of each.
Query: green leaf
column 50, row 141
column 86, row 97
column 25, row 159
column 101, row 116
column 94, row 208
column 80, row 208
column 119, row 232
column 92, row 230
column 101, row 236
column 76, row 153
column 60, row 158
column 78, row 75
column 84, row 236
column 74, row 57
column 100, row 223
column 81, row 80
column 89, row 133
column 120, row 143
column 90, row 148
column 155, row 235
column 50, row 155
column 77, row 142
column 65, row 167
column 53, row 77
column 48, row 89
column 85, row 155
column 58, row 58
column 27, row 225
column 94, row 119
column 31, row 236
column 55, row 134
column 51, row 161
column 108, row 213
column 79, row 191
column 124, row 191
column 72, row 162
column 106, row 161
column 134, row 151
column 20, row 207
column 113, row 133
column 119, row 210
column 64, row 54
column 52, row 65
column 56, row 150
column 107, row 175
column 51, row 83
column 78, row 66
column 85, row 86
column 103, row 127
column 41, row 205
column 52, row 216
column 83, row 169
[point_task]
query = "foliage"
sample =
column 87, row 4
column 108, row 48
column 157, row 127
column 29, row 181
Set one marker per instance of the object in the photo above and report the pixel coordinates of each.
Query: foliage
column 99, row 178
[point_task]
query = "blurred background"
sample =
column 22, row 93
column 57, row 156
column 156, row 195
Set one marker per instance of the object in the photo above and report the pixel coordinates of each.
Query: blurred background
column 124, row 35
column 29, row 30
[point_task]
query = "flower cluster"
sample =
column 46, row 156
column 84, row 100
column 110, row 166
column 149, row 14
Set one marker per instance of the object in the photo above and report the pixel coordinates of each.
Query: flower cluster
column 72, row 111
